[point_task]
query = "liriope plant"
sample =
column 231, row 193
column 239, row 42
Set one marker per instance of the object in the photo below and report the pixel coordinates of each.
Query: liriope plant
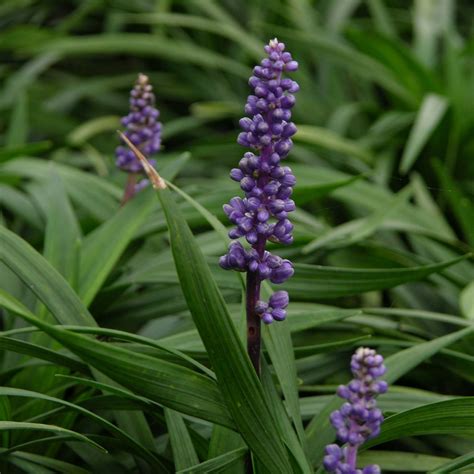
column 183, row 394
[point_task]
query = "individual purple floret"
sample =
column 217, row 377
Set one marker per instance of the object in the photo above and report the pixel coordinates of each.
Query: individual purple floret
column 142, row 127
column 358, row 419
column 262, row 214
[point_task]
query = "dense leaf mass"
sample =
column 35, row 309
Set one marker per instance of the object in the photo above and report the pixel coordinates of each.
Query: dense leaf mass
column 121, row 335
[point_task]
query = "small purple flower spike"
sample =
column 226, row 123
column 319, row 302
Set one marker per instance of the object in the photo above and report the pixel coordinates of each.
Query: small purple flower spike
column 358, row 419
column 263, row 214
column 142, row 127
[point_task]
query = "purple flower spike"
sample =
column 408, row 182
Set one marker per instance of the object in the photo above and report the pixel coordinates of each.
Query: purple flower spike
column 262, row 214
column 358, row 419
column 142, row 127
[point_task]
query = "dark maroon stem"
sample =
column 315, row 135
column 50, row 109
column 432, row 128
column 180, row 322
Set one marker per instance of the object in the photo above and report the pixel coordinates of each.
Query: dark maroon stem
column 253, row 321
column 254, row 336
column 129, row 188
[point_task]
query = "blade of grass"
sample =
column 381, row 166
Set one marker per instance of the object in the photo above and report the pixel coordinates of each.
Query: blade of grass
column 184, row 454
column 24, row 426
column 218, row 464
column 139, row 44
column 429, row 115
column 453, row 417
column 104, row 246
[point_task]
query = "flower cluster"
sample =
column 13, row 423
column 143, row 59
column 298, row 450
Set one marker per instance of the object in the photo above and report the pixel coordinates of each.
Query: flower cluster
column 358, row 419
column 263, row 214
column 274, row 309
column 267, row 266
column 142, row 127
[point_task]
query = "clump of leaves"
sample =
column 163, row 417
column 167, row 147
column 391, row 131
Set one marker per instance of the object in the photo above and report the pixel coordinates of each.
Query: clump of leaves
column 123, row 340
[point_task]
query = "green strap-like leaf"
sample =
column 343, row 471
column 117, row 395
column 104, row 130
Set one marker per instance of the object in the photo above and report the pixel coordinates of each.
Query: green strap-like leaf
column 461, row 205
column 66, row 307
column 431, row 112
column 454, row 464
column 134, row 43
column 138, row 448
column 331, row 282
column 400, row 461
column 58, row 466
column 402, row 362
column 100, row 198
column 62, row 229
column 24, row 426
column 184, row 454
column 450, row 417
column 217, row 464
column 43, row 280
column 103, row 247
column 171, row 384
column 43, row 353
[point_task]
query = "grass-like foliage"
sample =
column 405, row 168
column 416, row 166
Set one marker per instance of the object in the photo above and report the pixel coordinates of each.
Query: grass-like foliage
column 123, row 343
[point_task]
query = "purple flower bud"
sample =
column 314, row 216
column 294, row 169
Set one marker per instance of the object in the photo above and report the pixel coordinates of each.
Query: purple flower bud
column 236, row 174
column 282, row 273
column 264, row 271
column 274, row 261
column 371, row 469
column 279, row 314
column 252, row 237
column 288, row 180
column 291, row 66
column 330, row 463
column 263, row 215
column 242, row 139
column 267, row 318
column 279, row 299
column 245, row 123
column 247, row 183
column 289, row 130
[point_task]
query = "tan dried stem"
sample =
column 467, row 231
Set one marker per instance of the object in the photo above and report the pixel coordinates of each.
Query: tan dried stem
column 156, row 180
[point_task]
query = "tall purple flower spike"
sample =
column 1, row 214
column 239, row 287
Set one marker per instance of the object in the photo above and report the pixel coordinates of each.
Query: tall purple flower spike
column 358, row 419
column 262, row 214
column 142, row 127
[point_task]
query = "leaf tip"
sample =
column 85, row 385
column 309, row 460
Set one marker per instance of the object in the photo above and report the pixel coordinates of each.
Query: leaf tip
column 156, row 180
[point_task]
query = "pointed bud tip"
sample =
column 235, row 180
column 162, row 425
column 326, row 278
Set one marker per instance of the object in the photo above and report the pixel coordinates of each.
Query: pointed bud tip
column 142, row 79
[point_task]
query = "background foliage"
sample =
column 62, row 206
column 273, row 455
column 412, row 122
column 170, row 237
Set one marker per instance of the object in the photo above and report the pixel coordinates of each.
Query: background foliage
column 384, row 226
